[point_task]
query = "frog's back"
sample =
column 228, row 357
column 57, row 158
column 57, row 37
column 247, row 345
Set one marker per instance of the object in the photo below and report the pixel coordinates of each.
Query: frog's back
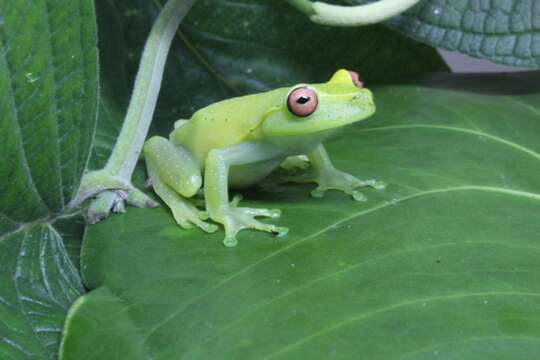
column 225, row 123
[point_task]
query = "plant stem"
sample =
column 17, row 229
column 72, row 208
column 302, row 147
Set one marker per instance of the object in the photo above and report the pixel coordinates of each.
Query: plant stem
column 304, row 6
column 336, row 15
column 147, row 85
column 141, row 108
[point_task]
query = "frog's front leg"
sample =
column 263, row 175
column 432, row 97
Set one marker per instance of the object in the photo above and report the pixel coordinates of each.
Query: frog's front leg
column 216, row 193
column 328, row 177
column 175, row 176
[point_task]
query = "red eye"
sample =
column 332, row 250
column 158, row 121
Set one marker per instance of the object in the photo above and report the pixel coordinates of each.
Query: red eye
column 302, row 101
column 356, row 79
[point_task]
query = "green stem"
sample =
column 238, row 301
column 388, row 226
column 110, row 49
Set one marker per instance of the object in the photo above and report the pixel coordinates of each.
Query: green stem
column 147, row 85
column 304, row 6
column 141, row 108
column 336, row 15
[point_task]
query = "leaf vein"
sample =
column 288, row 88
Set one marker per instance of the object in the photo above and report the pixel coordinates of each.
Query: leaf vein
column 337, row 326
column 153, row 329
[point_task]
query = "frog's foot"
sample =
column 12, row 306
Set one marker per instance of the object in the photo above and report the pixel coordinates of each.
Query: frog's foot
column 236, row 219
column 185, row 213
column 337, row 180
column 294, row 163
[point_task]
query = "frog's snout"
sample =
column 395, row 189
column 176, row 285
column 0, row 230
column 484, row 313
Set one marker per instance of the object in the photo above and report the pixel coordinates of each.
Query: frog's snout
column 364, row 96
column 364, row 100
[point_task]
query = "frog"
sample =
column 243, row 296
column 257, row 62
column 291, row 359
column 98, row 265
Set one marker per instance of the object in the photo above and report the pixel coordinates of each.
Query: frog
column 238, row 142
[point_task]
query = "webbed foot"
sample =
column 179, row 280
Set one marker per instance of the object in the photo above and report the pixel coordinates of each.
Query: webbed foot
column 337, row 180
column 236, row 219
column 186, row 215
column 184, row 211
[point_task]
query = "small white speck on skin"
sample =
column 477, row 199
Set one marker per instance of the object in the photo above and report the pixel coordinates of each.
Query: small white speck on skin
column 249, row 70
column 485, row 302
column 436, row 11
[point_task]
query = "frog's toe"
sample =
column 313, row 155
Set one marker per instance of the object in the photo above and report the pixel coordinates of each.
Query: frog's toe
column 271, row 213
column 379, row 185
column 208, row 227
column 347, row 188
column 358, row 196
column 186, row 215
column 236, row 200
column 203, row 215
column 318, row 192
column 239, row 219
column 183, row 222
column 187, row 223
column 373, row 183
column 230, row 241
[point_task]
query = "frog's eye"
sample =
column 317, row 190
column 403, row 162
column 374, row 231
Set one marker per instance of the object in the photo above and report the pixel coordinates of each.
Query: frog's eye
column 302, row 101
column 356, row 79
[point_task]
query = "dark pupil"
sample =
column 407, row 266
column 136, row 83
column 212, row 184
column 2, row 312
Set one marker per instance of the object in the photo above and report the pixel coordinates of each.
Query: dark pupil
column 303, row 99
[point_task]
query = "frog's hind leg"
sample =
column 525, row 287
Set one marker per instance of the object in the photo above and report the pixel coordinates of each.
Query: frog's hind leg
column 175, row 175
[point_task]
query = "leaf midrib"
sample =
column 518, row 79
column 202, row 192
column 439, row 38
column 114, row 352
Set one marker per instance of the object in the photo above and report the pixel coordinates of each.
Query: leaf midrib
column 45, row 221
column 52, row 64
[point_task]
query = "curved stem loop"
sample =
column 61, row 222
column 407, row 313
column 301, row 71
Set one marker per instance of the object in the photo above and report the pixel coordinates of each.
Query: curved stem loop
column 336, row 15
column 147, row 85
column 141, row 107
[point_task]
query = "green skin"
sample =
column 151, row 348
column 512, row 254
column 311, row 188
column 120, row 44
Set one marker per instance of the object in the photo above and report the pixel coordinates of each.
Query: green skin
column 238, row 142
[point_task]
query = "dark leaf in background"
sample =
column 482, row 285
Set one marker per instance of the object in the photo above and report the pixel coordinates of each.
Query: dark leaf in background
column 504, row 31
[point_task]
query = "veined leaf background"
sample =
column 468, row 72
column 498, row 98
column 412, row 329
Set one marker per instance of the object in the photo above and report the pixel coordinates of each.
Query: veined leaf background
column 442, row 264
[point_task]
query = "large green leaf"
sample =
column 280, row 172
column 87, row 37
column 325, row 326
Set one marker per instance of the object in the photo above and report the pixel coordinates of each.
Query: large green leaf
column 504, row 31
column 441, row 264
column 48, row 99
column 225, row 48
column 38, row 283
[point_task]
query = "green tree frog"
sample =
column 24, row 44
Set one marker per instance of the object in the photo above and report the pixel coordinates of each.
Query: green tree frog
column 238, row 142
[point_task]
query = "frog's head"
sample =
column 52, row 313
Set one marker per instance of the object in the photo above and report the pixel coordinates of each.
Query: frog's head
column 308, row 109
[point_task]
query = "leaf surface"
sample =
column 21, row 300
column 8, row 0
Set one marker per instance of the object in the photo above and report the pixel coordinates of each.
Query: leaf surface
column 48, row 87
column 444, row 262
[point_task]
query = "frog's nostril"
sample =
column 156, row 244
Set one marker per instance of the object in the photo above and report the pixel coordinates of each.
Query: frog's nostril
column 356, row 79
